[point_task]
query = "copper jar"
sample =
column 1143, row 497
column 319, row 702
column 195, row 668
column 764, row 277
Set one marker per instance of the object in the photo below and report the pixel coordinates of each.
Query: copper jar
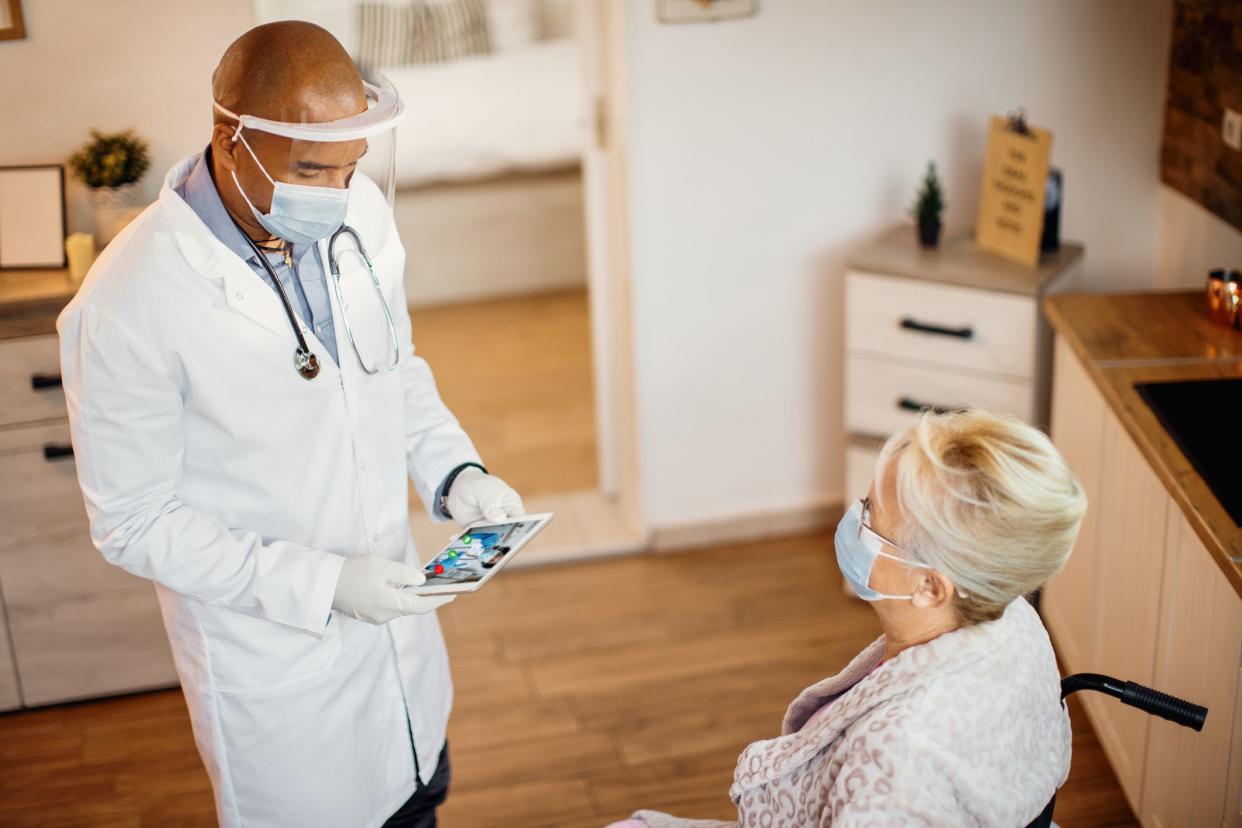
column 1224, row 296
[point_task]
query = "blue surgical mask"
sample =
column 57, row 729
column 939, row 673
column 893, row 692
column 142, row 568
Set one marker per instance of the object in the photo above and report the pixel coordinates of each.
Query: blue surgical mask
column 300, row 213
column 857, row 548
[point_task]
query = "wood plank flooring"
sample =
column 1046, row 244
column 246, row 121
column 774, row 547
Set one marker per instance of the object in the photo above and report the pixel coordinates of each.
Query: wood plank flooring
column 517, row 373
column 628, row 682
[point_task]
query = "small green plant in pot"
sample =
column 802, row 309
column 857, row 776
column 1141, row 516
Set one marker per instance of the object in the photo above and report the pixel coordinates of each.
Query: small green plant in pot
column 928, row 207
column 111, row 166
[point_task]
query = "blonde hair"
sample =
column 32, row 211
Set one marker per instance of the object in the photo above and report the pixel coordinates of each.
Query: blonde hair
column 986, row 500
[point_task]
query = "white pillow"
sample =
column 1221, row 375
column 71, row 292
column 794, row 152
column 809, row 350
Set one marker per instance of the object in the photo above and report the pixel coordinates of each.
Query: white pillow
column 512, row 24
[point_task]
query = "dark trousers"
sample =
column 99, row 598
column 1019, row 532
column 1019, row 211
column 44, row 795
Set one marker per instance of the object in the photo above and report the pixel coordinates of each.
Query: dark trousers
column 419, row 811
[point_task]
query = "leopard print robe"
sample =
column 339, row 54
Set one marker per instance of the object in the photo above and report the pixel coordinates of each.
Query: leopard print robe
column 965, row 730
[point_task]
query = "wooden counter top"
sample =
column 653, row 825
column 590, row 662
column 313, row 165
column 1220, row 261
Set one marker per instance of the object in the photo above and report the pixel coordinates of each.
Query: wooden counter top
column 30, row 301
column 958, row 262
column 1124, row 338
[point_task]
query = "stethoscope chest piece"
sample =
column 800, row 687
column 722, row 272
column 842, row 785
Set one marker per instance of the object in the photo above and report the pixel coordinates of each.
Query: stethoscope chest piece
column 306, row 363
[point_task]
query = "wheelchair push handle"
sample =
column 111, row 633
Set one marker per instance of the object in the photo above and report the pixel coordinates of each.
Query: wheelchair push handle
column 1187, row 714
column 1146, row 699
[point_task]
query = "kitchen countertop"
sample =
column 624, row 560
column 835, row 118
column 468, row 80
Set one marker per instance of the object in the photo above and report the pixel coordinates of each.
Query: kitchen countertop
column 30, row 301
column 958, row 262
column 1124, row 338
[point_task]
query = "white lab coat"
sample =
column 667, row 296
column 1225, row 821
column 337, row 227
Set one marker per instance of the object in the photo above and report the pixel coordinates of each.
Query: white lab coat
column 211, row 467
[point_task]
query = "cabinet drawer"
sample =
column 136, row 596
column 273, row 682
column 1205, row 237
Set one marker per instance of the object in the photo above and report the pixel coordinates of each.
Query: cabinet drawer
column 40, row 485
column 860, row 457
column 30, row 380
column 46, row 571
column 80, row 626
column 884, row 397
column 10, row 695
column 941, row 324
column 112, row 642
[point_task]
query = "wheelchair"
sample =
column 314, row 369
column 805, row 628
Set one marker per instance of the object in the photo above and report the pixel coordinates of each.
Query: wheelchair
column 1146, row 699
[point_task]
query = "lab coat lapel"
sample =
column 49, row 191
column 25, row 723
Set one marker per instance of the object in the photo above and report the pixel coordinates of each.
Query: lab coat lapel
column 244, row 290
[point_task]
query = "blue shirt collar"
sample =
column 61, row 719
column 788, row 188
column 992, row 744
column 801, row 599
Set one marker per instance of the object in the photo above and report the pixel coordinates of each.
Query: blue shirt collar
column 199, row 191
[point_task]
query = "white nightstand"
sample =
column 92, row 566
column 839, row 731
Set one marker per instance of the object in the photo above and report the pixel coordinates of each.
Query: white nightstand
column 945, row 328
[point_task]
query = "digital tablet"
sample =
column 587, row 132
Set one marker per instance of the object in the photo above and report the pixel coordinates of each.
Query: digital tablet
column 477, row 553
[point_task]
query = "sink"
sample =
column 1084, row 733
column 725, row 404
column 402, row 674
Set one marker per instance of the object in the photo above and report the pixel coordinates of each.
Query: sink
column 1204, row 417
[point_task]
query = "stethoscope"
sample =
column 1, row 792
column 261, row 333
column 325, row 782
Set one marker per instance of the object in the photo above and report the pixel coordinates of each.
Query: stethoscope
column 304, row 361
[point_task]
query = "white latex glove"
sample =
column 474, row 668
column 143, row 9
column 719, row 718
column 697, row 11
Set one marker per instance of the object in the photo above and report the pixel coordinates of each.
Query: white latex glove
column 370, row 589
column 476, row 495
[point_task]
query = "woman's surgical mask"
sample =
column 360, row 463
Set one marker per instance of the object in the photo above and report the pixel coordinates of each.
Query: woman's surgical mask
column 300, row 213
column 858, row 545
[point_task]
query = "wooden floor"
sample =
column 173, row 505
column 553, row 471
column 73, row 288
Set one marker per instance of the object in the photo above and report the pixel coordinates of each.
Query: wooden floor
column 517, row 373
column 629, row 682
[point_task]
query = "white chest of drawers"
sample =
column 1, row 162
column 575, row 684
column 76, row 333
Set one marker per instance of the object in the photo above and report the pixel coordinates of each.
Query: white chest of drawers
column 72, row 625
column 947, row 328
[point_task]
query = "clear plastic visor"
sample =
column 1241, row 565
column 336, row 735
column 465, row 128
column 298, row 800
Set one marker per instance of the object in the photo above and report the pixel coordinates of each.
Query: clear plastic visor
column 301, row 152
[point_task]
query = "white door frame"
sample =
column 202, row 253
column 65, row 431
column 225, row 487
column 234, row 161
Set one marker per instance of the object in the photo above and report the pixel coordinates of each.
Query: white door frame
column 601, row 26
column 609, row 519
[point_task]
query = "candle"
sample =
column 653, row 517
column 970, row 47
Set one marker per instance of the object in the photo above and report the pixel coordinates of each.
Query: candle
column 80, row 248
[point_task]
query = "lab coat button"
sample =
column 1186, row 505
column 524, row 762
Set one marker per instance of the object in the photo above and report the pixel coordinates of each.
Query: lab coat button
column 240, row 296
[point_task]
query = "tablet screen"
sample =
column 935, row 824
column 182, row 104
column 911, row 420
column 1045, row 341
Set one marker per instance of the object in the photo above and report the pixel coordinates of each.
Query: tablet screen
column 473, row 554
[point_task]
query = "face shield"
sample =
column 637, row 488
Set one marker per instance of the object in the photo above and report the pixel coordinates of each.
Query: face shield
column 297, row 174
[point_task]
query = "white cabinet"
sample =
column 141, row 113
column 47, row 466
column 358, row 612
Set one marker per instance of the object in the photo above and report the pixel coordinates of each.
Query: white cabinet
column 1131, row 513
column 1142, row 600
column 10, row 693
column 72, row 625
column 885, row 397
column 912, row 345
column 953, row 327
column 1068, row 601
column 1201, row 615
column 966, row 329
column 30, row 380
column 1233, row 793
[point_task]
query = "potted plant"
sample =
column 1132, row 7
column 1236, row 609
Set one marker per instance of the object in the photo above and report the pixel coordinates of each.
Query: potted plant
column 111, row 166
column 928, row 207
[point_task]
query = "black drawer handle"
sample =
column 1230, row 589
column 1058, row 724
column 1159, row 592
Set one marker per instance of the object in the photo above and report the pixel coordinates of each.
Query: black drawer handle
column 54, row 451
column 922, row 327
column 42, row 382
column 907, row 404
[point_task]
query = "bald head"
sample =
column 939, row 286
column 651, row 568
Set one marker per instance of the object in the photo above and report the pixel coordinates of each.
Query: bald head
column 288, row 71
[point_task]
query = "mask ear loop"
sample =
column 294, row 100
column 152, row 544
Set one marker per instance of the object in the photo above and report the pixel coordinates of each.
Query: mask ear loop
column 918, row 564
column 237, row 136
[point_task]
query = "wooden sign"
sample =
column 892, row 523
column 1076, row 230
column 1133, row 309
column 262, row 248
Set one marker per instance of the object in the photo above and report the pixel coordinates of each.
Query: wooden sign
column 1011, row 203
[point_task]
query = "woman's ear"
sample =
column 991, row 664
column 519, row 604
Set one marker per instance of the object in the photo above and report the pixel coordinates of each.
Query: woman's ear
column 932, row 589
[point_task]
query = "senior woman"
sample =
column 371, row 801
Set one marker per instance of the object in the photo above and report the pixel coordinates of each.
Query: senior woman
column 953, row 716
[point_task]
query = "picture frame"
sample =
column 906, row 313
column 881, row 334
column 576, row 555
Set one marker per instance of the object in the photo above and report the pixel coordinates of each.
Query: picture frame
column 704, row 11
column 12, row 23
column 32, row 217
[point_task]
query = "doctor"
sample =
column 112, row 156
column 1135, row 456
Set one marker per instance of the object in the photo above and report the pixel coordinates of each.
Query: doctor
column 245, row 423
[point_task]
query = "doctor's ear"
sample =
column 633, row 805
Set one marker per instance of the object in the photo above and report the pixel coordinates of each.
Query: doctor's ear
column 223, row 147
column 932, row 590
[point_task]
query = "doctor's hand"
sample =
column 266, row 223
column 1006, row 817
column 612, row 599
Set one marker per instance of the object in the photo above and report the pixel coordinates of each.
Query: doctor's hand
column 371, row 589
column 476, row 495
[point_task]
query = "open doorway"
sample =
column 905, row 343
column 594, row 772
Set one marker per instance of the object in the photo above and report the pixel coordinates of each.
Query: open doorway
column 505, row 210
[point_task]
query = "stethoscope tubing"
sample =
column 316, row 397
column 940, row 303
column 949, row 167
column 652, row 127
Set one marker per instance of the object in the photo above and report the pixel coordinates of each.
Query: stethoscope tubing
column 304, row 360
column 335, row 267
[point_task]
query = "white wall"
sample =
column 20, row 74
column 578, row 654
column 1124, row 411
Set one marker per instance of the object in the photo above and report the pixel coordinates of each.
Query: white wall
column 113, row 64
column 1193, row 241
column 763, row 151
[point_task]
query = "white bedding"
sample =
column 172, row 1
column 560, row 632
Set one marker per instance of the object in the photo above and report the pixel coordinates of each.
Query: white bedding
column 478, row 117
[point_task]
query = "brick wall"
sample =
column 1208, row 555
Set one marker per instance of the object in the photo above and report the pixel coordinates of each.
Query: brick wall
column 1205, row 76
